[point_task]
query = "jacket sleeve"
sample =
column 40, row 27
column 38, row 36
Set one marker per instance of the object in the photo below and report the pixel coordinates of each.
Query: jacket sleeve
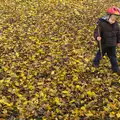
column 118, row 35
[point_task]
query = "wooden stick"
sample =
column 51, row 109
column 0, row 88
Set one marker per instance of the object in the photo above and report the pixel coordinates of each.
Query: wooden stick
column 100, row 42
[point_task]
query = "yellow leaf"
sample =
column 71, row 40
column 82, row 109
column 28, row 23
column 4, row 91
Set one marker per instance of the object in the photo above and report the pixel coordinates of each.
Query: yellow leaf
column 77, row 86
column 86, row 59
column 17, row 54
column 16, row 83
column 53, row 72
column 18, row 94
column 25, row 103
column 48, row 107
column 57, row 101
column 106, row 109
column 76, row 111
column 76, row 12
column 89, row 114
column 72, row 101
column 57, row 110
column 36, row 95
column 65, row 92
column 112, row 114
column 41, row 94
column 5, row 111
column 83, row 108
column 93, row 69
column 5, row 69
column 33, row 57
column 31, row 87
column 118, row 115
column 91, row 94
column 4, row 102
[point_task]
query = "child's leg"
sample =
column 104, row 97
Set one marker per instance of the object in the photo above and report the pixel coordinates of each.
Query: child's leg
column 98, row 57
column 111, row 52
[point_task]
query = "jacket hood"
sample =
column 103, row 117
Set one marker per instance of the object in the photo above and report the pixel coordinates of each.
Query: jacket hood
column 105, row 18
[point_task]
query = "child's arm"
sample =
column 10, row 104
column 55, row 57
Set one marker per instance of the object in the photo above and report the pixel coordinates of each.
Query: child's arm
column 118, row 34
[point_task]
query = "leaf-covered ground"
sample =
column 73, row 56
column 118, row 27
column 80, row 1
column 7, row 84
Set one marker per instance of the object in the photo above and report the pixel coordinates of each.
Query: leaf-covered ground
column 46, row 53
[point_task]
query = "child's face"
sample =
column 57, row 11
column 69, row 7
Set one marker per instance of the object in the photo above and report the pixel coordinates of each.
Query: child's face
column 112, row 19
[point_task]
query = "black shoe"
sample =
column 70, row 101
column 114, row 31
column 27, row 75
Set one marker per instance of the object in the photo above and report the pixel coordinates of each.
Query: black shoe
column 117, row 72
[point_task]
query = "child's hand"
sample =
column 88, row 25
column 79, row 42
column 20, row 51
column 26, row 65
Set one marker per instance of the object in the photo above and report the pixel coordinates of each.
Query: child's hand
column 99, row 38
column 118, row 44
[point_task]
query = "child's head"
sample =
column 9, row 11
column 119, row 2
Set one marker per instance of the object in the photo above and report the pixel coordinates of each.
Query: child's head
column 113, row 13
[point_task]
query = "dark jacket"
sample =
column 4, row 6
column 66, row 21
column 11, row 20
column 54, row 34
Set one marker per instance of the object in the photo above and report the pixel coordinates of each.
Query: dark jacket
column 110, row 33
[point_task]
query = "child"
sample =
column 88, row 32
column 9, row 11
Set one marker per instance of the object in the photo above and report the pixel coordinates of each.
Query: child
column 107, row 34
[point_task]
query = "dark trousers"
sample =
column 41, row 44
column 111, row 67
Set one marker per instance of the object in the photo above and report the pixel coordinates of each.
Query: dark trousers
column 111, row 53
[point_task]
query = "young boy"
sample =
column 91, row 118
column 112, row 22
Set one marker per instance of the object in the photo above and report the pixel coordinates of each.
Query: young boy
column 107, row 34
